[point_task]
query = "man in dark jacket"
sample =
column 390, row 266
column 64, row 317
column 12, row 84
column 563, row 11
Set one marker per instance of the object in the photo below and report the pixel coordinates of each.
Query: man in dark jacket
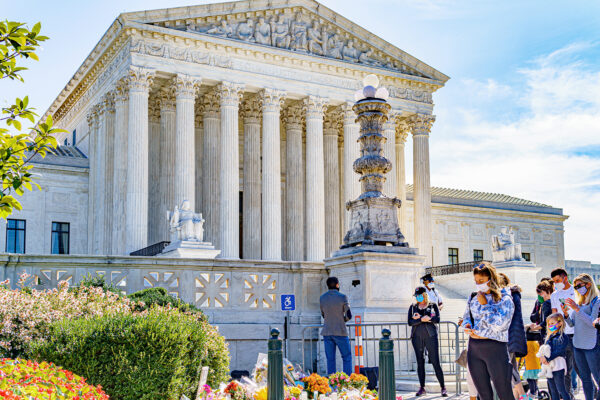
column 335, row 310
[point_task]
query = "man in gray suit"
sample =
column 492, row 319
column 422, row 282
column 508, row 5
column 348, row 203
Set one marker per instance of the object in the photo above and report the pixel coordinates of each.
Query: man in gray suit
column 336, row 312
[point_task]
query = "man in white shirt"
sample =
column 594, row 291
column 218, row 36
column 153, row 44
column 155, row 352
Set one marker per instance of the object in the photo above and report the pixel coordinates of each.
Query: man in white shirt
column 433, row 295
column 562, row 291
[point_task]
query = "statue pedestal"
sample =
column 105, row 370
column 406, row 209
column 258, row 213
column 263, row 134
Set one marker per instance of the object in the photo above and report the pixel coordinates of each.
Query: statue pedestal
column 379, row 285
column 522, row 273
column 190, row 249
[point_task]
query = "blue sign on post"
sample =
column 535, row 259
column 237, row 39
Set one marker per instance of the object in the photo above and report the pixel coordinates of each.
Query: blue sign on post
column 288, row 302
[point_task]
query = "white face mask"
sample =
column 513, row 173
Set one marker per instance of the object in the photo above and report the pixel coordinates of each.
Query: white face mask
column 431, row 285
column 559, row 286
column 482, row 287
column 582, row 290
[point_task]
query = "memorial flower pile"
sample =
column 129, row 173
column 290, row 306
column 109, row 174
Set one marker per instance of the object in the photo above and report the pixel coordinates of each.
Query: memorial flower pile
column 26, row 380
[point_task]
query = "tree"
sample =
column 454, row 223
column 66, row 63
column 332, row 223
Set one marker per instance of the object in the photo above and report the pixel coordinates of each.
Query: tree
column 17, row 42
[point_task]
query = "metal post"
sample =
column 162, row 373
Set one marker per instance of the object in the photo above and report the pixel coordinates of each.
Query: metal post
column 275, row 367
column 387, row 378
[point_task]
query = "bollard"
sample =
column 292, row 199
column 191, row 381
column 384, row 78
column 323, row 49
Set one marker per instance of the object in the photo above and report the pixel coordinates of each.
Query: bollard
column 275, row 367
column 387, row 378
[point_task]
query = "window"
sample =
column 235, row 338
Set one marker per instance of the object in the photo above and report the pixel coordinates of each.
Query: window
column 74, row 141
column 477, row 255
column 15, row 236
column 60, row 238
column 526, row 256
column 452, row 255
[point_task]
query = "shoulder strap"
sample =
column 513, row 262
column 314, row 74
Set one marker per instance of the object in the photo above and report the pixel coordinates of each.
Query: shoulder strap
column 470, row 313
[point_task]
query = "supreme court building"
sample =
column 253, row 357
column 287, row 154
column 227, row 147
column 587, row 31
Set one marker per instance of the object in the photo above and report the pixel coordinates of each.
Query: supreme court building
column 245, row 110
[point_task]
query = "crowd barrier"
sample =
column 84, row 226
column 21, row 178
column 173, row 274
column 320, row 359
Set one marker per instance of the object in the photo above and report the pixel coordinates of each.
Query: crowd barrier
column 364, row 338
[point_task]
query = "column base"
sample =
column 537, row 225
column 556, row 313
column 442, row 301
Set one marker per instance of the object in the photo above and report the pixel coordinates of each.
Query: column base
column 379, row 285
column 190, row 249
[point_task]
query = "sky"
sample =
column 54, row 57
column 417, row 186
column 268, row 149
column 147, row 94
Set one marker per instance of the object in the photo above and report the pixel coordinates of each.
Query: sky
column 520, row 114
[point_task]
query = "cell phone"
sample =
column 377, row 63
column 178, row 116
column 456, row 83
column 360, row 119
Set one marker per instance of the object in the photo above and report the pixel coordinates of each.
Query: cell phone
column 562, row 301
column 416, row 315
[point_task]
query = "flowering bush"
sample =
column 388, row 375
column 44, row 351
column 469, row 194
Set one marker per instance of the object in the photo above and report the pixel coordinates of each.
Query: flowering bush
column 316, row 383
column 26, row 314
column 358, row 381
column 25, row 380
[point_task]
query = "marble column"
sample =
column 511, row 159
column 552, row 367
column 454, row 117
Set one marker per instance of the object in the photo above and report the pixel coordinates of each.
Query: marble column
column 351, row 153
column 421, row 126
column 136, row 209
column 271, row 174
column 199, row 146
column 315, row 179
column 211, row 167
column 251, row 207
column 99, row 209
column 120, row 166
column 331, row 127
column 166, row 158
column 109, row 144
column 92, row 120
column 402, row 130
column 390, row 186
column 229, row 226
column 294, row 184
column 185, row 163
column 156, row 219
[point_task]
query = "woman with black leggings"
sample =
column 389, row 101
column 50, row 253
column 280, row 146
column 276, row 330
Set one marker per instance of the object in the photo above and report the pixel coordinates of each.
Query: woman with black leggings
column 422, row 317
column 486, row 320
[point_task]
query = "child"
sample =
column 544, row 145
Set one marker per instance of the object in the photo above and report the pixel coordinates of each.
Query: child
column 532, row 366
column 558, row 341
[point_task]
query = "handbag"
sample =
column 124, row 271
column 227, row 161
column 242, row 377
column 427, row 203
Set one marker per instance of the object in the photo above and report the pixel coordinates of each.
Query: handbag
column 462, row 358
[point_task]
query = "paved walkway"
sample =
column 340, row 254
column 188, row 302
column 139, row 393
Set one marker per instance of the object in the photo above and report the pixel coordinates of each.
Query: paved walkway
column 464, row 396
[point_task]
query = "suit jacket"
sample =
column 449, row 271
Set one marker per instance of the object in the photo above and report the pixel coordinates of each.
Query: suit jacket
column 335, row 310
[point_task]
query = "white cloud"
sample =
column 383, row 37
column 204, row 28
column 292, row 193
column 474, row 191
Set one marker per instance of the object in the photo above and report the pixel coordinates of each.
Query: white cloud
column 548, row 152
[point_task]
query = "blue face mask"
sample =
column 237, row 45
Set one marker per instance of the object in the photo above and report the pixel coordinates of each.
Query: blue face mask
column 553, row 328
column 420, row 298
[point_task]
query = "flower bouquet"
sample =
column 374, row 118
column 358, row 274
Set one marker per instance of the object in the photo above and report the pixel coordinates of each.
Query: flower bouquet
column 237, row 391
column 358, row 381
column 316, row 383
column 339, row 381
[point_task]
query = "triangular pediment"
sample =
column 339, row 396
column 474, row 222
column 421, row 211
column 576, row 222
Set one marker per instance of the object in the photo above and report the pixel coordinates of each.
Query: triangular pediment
column 299, row 26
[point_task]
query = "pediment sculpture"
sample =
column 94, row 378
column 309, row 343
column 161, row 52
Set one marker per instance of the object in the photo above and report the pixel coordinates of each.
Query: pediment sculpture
column 300, row 32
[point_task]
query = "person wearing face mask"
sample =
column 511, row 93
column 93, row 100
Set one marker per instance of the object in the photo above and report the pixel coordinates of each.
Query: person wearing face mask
column 558, row 343
column 581, row 315
column 486, row 320
column 422, row 317
column 433, row 294
column 563, row 290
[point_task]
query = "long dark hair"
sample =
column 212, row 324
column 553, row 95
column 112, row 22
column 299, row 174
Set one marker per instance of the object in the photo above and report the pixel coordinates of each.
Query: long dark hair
column 486, row 269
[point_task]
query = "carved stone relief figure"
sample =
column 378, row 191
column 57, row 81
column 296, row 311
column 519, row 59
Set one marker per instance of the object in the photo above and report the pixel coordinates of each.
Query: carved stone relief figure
column 280, row 33
column 335, row 46
column 367, row 58
column 299, row 33
column 316, row 39
column 222, row 29
column 245, row 30
column 262, row 32
column 350, row 53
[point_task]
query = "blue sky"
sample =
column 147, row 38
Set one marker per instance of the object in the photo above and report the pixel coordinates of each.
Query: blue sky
column 520, row 115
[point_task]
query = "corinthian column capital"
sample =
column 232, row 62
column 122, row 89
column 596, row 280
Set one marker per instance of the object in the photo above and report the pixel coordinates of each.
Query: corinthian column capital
column 251, row 110
column 229, row 93
column 166, row 99
column 348, row 114
column 332, row 123
column 314, row 107
column 421, row 123
column 391, row 122
column 154, row 109
column 293, row 116
column 210, row 105
column 121, row 90
column 271, row 100
column 139, row 79
column 185, row 86
column 92, row 117
column 403, row 128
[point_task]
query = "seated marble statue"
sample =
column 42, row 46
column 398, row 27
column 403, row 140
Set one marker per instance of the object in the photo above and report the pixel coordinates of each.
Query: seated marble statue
column 185, row 224
column 351, row 53
column 504, row 247
column 223, row 29
column 334, row 46
column 245, row 30
column 299, row 33
column 262, row 32
column 316, row 39
column 280, row 32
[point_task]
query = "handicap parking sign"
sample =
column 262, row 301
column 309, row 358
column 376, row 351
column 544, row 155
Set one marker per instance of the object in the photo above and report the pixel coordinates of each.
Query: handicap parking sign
column 288, row 302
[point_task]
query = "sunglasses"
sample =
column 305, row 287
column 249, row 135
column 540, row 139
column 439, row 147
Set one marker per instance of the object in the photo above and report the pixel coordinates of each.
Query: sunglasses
column 579, row 286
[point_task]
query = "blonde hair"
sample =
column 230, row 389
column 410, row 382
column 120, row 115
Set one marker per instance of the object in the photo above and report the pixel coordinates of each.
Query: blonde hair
column 592, row 291
column 559, row 318
column 485, row 268
column 503, row 279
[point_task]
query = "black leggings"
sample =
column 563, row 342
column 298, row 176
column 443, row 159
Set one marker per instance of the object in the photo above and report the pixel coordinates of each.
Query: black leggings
column 421, row 341
column 488, row 362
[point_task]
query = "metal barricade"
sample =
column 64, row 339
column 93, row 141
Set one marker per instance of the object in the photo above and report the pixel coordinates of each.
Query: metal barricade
column 451, row 343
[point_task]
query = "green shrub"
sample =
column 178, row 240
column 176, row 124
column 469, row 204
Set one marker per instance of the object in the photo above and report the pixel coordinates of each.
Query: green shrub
column 97, row 281
column 158, row 296
column 151, row 355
